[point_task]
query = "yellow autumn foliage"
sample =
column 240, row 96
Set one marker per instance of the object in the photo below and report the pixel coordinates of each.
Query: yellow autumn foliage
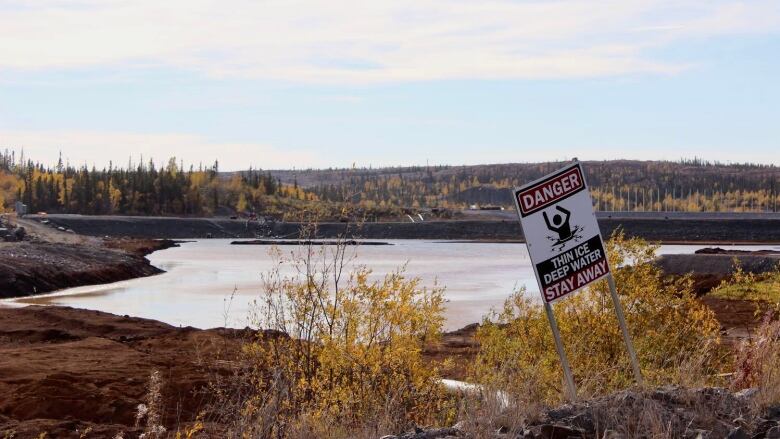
column 676, row 336
column 347, row 353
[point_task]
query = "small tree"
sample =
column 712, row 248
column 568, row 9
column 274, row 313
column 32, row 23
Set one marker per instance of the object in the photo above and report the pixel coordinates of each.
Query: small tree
column 348, row 353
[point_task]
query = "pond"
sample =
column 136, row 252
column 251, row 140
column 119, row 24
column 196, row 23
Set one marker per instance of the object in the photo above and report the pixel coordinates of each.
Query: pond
column 210, row 283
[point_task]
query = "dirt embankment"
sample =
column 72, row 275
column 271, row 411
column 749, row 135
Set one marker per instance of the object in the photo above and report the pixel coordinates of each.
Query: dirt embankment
column 654, row 226
column 711, row 266
column 49, row 259
column 65, row 370
column 28, row 268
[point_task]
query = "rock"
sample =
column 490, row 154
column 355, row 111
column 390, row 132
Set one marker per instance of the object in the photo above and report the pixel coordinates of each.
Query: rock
column 584, row 422
column 612, row 434
column 698, row 434
column 550, row 431
column 763, row 426
column 773, row 433
column 529, row 434
column 773, row 413
column 746, row 394
column 738, row 433
column 665, row 395
column 561, row 412
column 435, row 433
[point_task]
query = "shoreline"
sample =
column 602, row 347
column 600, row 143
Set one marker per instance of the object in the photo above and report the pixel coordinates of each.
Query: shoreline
column 39, row 267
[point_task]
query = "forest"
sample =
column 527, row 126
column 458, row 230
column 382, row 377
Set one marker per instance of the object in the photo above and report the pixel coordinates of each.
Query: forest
column 140, row 189
column 617, row 185
column 171, row 188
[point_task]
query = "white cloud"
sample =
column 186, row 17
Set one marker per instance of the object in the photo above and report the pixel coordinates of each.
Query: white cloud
column 369, row 41
column 101, row 147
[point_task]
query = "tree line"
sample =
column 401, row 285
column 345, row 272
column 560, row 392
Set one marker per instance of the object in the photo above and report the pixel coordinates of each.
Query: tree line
column 618, row 185
column 170, row 188
column 139, row 189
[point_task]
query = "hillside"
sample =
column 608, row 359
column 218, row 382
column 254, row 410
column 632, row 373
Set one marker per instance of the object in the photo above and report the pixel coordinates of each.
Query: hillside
column 172, row 188
column 618, row 185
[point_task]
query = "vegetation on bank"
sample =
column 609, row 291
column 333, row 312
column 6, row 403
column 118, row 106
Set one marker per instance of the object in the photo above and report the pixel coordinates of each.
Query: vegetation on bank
column 742, row 285
column 673, row 332
column 344, row 358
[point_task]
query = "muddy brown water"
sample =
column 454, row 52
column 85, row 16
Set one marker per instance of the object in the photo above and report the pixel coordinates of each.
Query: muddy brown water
column 210, row 283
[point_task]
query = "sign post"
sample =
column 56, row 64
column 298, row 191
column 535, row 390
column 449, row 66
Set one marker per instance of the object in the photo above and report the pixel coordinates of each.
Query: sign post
column 565, row 246
column 624, row 329
column 571, row 389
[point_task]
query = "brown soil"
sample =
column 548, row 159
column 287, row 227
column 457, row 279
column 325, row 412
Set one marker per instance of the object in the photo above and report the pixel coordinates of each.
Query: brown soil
column 459, row 346
column 63, row 370
column 738, row 318
column 43, row 265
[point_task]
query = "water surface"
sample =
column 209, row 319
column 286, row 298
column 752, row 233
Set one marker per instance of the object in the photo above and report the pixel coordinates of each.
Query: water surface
column 202, row 276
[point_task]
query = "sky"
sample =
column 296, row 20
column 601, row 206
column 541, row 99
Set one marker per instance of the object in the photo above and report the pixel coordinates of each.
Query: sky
column 299, row 84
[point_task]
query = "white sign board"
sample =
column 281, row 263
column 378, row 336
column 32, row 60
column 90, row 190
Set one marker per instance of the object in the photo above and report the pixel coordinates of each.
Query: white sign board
column 560, row 228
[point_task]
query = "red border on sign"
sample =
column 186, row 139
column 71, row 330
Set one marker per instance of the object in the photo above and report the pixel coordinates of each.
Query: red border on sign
column 566, row 174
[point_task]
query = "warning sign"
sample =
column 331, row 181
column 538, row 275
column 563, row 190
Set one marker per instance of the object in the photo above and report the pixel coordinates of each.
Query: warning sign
column 561, row 231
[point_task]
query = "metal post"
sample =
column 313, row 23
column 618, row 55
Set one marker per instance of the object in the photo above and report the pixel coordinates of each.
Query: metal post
column 571, row 389
column 624, row 329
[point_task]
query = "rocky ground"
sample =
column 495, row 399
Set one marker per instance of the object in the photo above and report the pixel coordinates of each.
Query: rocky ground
column 28, row 268
column 655, row 413
column 41, row 259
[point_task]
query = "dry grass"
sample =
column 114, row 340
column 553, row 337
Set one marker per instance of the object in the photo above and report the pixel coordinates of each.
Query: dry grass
column 758, row 363
column 672, row 412
column 152, row 410
column 488, row 409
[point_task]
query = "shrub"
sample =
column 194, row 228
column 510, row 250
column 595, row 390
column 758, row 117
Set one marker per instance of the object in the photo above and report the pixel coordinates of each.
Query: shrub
column 746, row 285
column 347, row 357
column 676, row 337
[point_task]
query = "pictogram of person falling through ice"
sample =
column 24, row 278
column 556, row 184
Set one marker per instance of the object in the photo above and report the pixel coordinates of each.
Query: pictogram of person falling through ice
column 562, row 226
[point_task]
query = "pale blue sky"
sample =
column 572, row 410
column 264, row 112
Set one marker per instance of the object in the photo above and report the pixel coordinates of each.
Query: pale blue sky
column 394, row 83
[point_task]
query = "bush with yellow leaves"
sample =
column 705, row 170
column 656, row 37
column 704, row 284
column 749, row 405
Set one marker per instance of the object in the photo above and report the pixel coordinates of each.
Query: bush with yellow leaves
column 347, row 350
column 676, row 337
